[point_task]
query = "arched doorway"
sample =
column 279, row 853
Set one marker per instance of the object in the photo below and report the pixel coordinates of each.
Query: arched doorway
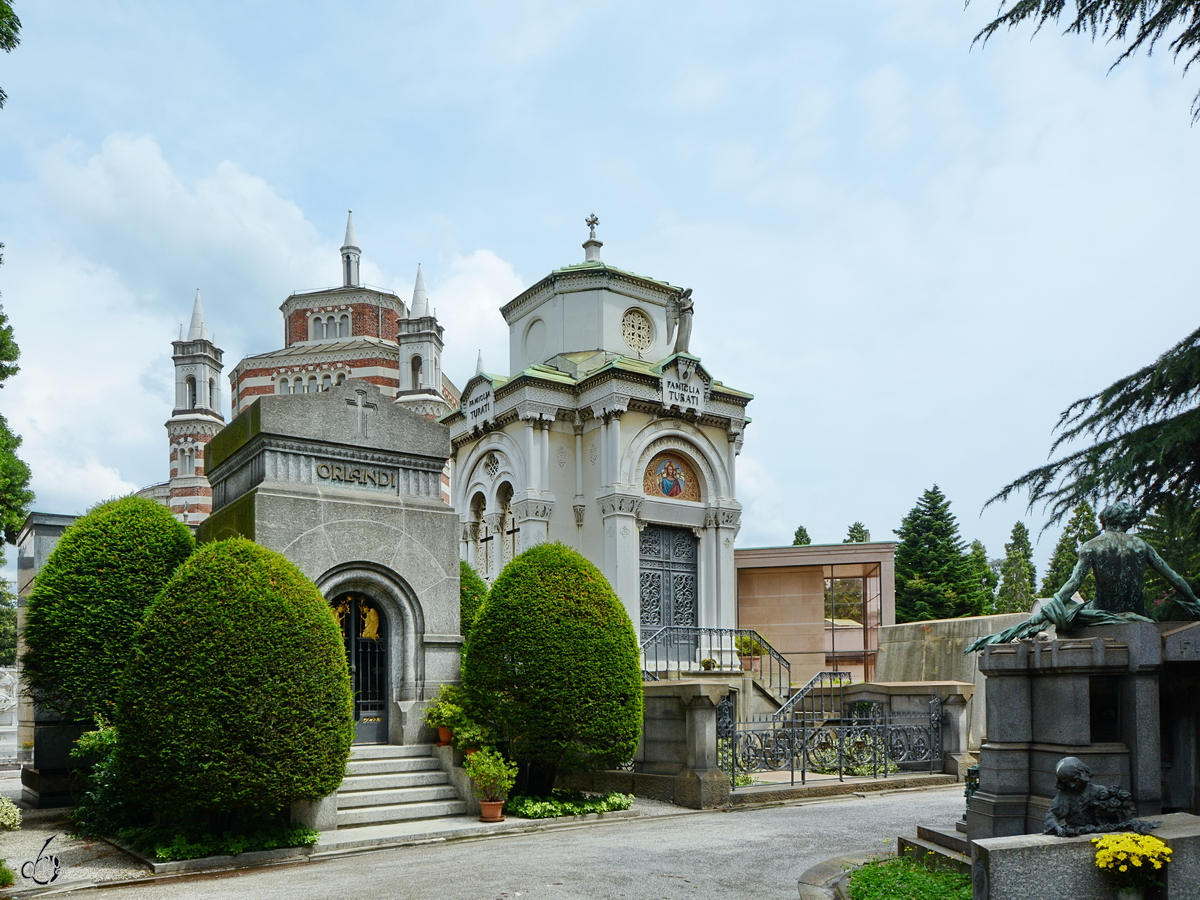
column 364, row 631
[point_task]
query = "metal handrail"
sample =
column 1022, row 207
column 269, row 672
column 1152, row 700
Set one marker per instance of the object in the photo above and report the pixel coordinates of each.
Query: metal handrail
column 821, row 680
column 720, row 645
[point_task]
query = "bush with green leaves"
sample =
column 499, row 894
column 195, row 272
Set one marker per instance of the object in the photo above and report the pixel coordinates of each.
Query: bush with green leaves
column 904, row 877
column 566, row 803
column 10, row 815
column 552, row 664
column 7, row 876
column 89, row 598
column 472, row 591
column 237, row 701
column 492, row 776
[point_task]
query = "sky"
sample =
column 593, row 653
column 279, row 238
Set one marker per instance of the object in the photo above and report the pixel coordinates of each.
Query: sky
column 914, row 252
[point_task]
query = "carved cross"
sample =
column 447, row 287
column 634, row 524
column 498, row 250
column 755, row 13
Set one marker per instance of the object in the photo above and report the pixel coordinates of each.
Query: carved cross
column 360, row 401
column 591, row 222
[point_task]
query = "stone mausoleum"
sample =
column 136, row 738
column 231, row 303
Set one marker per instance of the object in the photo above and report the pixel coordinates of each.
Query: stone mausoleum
column 607, row 434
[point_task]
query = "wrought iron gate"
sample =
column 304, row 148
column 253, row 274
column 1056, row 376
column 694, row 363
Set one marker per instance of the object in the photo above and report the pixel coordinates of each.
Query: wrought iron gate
column 669, row 594
column 365, row 634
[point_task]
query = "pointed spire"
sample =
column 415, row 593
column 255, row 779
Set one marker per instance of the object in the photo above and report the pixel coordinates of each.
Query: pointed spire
column 420, row 302
column 196, row 331
column 479, row 364
column 351, row 237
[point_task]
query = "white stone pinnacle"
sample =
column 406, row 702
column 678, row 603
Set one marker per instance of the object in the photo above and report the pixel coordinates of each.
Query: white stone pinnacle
column 351, row 237
column 420, row 302
column 479, row 364
column 196, row 331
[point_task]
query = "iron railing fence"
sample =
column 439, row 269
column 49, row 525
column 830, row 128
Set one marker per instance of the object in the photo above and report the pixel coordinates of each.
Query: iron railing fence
column 684, row 649
column 823, row 697
column 867, row 740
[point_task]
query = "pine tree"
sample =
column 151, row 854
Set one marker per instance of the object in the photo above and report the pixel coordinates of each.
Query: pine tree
column 1018, row 578
column 934, row 579
column 1081, row 528
column 801, row 538
column 857, row 534
column 984, row 575
column 1173, row 529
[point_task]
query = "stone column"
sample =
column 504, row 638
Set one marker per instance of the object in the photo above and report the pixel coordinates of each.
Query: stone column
column 614, row 437
column 998, row 807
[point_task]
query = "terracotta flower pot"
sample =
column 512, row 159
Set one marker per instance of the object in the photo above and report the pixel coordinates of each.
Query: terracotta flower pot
column 748, row 663
column 445, row 736
column 491, row 811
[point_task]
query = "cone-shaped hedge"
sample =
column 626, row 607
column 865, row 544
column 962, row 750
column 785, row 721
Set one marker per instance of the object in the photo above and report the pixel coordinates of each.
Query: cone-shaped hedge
column 472, row 591
column 89, row 598
column 237, row 701
column 552, row 662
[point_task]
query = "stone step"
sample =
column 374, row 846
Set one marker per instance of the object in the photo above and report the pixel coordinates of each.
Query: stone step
column 389, row 751
column 394, row 796
column 945, row 837
column 392, row 765
column 930, row 855
column 394, row 780
column 399, row 812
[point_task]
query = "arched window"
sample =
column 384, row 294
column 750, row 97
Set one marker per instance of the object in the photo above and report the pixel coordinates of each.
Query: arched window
column 285, row 386
column 509, row 532
column 298, row 385
column 190, row 401
column 331, row 330
column 318, row 328
column 416, row 373
column 341, row 377
column 344, row 326
column 326, row 382
column 311, row 387
column 481, row 538
column 187, row 461
column 212, row 394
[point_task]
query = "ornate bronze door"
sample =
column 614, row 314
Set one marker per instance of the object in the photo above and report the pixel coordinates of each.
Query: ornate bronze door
column 365, row 633
column 669, row 593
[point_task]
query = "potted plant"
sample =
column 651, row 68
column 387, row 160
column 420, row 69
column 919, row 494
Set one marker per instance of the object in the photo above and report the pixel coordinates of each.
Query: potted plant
column 749, row 649
column 444, row 710
column 470, row 736
column 708, row 664
column 492, row 777
column 1132, row 861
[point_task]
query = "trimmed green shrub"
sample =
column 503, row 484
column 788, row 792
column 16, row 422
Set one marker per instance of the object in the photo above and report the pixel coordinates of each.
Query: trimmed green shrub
column 7, row 876
column 565, row 802
column 237, row 701
column 89, row 598
column 552, row 664
column 472, row 591
column 170, row 844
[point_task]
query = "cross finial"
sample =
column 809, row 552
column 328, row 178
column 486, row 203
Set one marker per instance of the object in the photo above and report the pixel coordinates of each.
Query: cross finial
column 591, row 222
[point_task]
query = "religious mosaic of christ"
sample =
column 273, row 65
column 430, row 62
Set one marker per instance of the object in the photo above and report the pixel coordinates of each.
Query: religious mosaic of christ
column 670, row 475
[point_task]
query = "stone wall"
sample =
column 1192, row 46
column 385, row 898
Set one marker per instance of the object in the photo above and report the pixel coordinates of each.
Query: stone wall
column 933, row 651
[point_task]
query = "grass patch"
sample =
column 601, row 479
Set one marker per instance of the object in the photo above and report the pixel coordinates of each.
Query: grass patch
column 171, row 844
column 566, row 803
column 905, row 879
column 7, row 876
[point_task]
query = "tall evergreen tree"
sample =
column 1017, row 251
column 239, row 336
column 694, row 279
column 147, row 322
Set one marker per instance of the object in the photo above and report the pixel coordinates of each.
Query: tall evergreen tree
column 801, row 538
column 15, row 495
column 857, row 534
column 934, row 579
column 984, row 574
column 1018, row 578
column 1081, row 528
column 1173, row 529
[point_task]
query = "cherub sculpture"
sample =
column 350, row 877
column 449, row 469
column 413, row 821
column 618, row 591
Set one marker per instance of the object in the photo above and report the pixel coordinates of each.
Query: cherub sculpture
column 1081, row 807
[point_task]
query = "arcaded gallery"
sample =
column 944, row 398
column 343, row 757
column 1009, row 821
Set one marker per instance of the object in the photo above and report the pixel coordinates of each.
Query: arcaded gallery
column 819, row 605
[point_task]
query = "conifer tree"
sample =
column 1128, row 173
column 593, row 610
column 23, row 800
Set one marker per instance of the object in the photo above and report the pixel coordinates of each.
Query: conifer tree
column 1081, row 528
column 1018, row 578
column 801, row 538
column 857, row 534
column 984, row 574
column 934, row 579
column 1173, row 529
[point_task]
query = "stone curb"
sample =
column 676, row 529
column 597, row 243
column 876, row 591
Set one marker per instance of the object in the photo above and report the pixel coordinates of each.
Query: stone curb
column 822, row 881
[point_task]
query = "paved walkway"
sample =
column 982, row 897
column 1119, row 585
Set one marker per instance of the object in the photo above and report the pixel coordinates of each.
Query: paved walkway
column 757, row 853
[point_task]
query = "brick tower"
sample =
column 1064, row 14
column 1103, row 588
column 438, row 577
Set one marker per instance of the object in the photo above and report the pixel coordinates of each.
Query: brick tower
column 195, row 419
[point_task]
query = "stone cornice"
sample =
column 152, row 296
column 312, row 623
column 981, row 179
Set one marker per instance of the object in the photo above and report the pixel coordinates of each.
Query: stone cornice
column 566, row 281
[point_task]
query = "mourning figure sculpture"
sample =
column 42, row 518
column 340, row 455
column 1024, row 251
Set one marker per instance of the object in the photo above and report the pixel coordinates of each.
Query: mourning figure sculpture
column 1119, row 562
column 679, row 315
column 1081, row 807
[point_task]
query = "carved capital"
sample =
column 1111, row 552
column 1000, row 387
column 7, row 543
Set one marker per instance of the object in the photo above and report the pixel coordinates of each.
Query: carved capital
column 538, row 412
column 580, row 509
column 532, row 509
column 621, row 504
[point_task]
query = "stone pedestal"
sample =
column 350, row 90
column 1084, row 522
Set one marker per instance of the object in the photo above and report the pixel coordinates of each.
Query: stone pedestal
column 1093, row 695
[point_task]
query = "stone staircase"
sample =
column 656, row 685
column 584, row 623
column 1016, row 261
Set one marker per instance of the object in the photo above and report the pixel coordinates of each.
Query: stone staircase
column 388, row 783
